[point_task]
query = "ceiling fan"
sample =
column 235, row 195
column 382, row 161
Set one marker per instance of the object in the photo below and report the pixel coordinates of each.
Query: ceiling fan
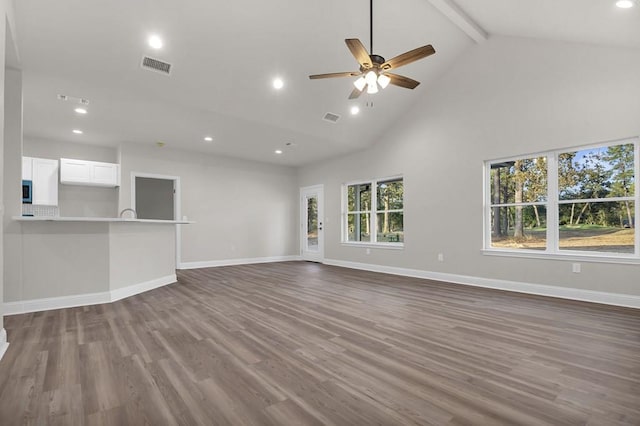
column 374, row 69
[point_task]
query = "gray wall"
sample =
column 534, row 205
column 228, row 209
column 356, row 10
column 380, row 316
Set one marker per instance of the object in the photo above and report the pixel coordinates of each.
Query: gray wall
column 13, row 250
column 75, row 200
column 11, row 107
column 242, row 209
column 154, row 198
column 507, row 97
column 140, row 252
column 62, row 259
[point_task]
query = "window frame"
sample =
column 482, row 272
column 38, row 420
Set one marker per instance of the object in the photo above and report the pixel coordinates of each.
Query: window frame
column 553, row 202
column 373, row 213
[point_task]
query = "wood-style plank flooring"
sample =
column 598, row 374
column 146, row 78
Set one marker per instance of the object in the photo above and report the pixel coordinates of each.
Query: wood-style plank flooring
column 299, row 343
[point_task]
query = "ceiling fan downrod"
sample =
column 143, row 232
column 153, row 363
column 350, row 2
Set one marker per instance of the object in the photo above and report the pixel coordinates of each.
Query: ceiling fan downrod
column 371, row 27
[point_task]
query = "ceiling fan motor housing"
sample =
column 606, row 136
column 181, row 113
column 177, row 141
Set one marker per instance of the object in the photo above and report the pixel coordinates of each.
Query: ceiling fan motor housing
column 377, row 60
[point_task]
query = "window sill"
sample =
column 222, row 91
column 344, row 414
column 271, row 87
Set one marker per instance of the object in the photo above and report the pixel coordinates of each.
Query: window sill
column 566, row 257
column 385, row 246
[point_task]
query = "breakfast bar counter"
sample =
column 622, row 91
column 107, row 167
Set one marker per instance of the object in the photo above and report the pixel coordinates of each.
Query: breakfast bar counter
column 71, row 261
column 97, row 219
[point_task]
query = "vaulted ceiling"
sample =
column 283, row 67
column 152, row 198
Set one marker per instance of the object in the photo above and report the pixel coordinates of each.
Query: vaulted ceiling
column 224, row 56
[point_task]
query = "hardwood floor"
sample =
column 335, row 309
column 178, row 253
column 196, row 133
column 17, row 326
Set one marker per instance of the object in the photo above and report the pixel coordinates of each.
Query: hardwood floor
column 299, row 343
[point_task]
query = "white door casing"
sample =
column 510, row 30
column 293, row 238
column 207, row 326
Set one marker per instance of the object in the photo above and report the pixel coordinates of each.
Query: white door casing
column 177, row 212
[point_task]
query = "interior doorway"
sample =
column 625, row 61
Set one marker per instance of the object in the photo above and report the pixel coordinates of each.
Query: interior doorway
column 157, row 197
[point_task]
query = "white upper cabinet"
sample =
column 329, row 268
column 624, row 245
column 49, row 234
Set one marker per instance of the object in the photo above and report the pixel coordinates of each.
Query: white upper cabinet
column 45, row 181
column 90, row 173
column 75, row 171
column 106, row 174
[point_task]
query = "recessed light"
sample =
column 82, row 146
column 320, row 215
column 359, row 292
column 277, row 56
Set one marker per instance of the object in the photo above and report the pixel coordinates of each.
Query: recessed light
column 625, row 4
column 80, row 110
column 208, row 139
column 77, row 132
column 278, row 83
column 155, row 42
column 355, row 110
column 278, row 151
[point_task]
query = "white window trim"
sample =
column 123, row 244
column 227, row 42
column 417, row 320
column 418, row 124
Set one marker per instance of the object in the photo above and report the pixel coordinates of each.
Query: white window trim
column 373, row 212
column 552, row 202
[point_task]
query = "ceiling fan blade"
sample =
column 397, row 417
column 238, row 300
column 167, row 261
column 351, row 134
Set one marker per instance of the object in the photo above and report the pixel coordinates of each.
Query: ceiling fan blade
column 402, row 81
column 359, row 52
column 334, row 74
column 355, row 94
column 408, row 57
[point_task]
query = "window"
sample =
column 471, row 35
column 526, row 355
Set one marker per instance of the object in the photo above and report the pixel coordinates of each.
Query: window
column 519, row 203
column 581, row 201
column 374, row 217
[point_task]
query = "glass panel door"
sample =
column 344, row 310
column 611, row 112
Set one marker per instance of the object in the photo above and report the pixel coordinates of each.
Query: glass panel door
column 311, row 224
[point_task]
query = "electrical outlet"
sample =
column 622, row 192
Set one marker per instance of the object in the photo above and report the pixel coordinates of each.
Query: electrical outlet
column 576, row 268
column 368, row 251
column 440, row 257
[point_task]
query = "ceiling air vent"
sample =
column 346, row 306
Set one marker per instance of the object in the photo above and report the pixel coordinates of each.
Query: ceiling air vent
column 156, row 65
column 331, row 117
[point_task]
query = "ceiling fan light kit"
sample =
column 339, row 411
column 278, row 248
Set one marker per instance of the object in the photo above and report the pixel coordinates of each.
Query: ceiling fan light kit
column 373, row 73
column 360, row 83
column 384, row 80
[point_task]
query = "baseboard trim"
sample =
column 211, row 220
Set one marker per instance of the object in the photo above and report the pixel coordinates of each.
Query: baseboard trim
column 232, row 262
column 132, row 290
column 4, row 345
column 615, row 299
column 36, row 305
column 51, row 303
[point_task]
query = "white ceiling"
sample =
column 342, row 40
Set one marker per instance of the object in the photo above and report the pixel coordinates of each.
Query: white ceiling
column 225, row 54
column 584, row 21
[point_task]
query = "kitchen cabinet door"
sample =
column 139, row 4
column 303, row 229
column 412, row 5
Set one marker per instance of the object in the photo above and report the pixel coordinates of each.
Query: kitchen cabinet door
column 45, row 182
column 106, row 174
column 75, row 171
column 89, row 173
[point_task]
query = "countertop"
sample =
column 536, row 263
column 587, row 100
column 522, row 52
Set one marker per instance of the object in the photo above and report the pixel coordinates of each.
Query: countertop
column 97, row 219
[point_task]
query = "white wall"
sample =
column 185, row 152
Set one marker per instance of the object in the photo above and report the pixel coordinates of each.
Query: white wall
column 75, row 200
column 242, row 209
column 509, row 96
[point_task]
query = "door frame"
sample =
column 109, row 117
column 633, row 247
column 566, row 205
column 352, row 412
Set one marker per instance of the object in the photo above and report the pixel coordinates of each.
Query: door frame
column 177, row 213
column 304, row 191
